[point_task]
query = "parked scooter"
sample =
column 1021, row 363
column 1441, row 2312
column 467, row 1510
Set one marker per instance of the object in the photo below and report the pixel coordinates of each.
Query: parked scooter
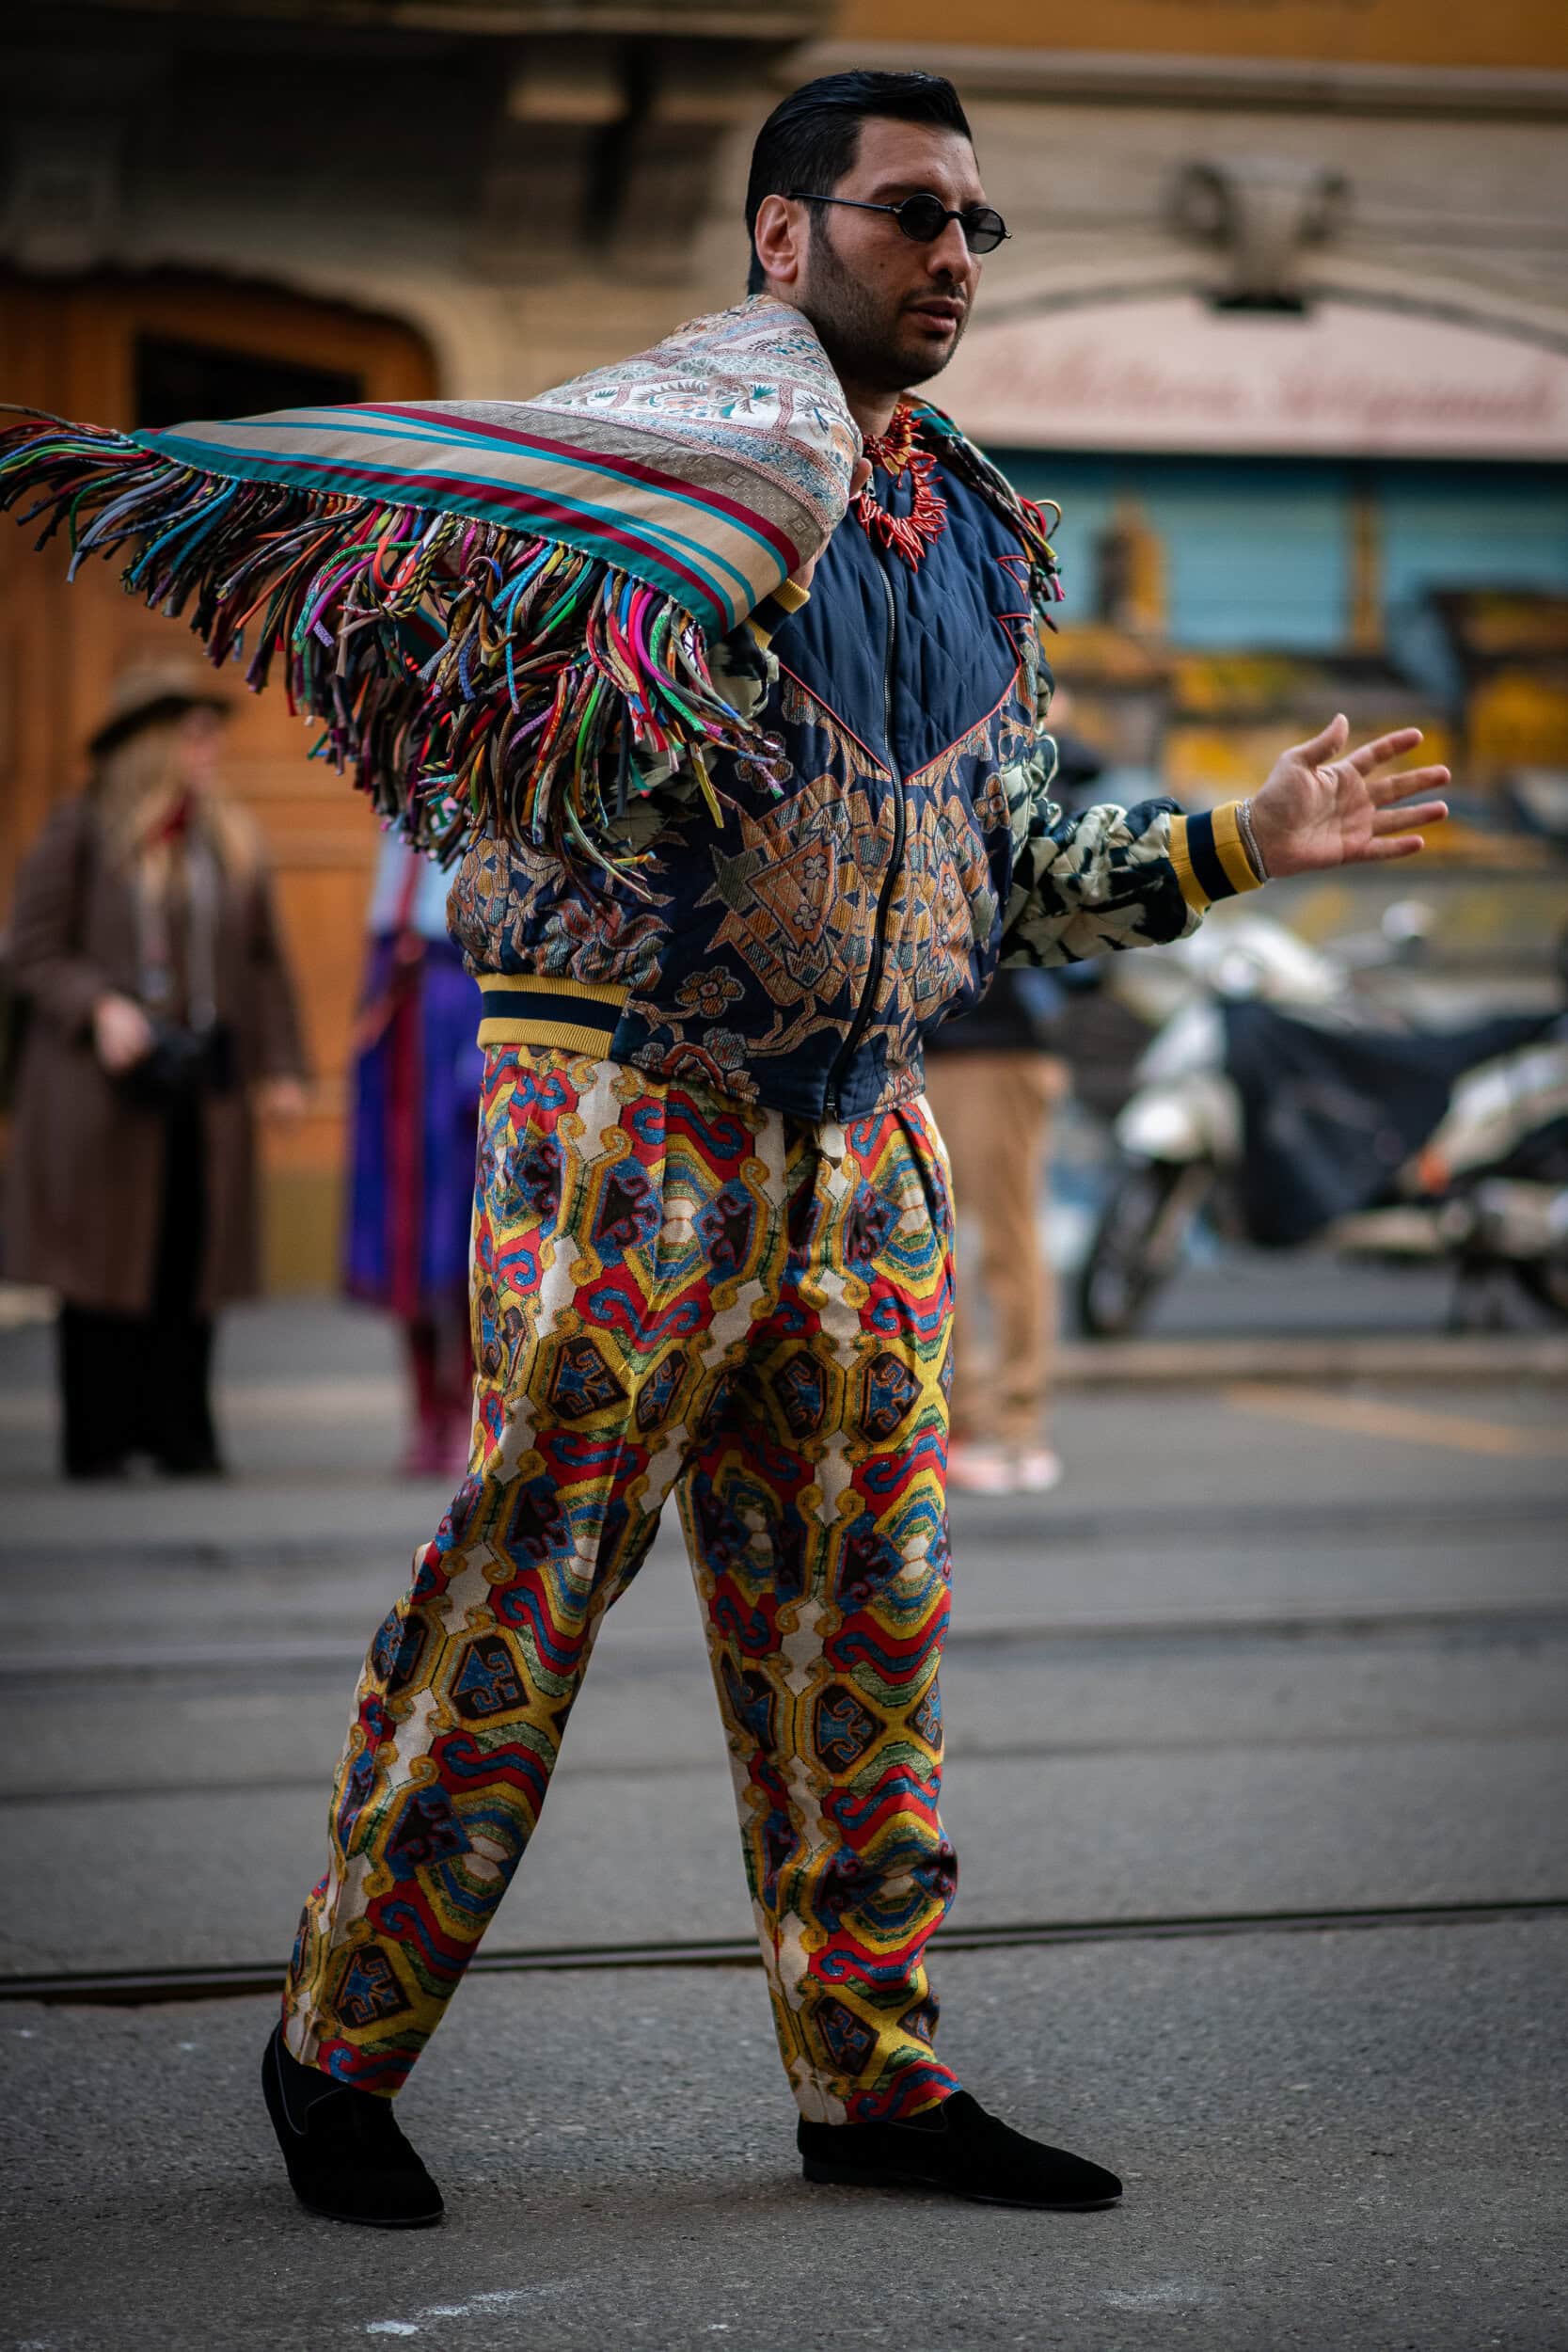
column 1286, row 1110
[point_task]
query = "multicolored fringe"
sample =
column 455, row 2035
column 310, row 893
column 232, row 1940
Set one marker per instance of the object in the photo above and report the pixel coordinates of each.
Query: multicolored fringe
column 478, row 680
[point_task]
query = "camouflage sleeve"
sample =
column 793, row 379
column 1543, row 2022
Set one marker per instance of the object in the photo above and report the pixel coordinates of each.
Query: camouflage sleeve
column 1112, row 876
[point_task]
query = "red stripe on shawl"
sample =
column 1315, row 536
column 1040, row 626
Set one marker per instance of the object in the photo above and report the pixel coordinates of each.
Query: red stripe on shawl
column 537, row 508
column 632, row 468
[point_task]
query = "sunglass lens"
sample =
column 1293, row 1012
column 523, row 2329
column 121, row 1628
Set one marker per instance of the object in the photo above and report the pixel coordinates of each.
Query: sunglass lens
column 921, row 218
column 984, row 229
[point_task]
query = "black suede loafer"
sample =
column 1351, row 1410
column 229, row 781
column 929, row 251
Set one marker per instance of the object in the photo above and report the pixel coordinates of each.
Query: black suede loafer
column 960, row 2148
column 345, row 2151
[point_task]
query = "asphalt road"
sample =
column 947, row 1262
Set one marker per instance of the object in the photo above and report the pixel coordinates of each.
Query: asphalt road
column 1274, row 1659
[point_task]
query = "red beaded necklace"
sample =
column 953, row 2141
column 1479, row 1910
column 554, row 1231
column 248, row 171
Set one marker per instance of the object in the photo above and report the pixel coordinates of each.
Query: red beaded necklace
column 895, row 452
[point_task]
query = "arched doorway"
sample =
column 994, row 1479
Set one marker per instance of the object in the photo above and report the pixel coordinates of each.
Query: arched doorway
column 126, row 351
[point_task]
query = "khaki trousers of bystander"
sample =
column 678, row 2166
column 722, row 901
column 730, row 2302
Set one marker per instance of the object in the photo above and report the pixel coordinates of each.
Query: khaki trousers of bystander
column 994, row 1113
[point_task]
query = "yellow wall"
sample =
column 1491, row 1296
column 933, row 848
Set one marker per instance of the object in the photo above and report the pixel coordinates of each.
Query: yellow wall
column 1517, row 33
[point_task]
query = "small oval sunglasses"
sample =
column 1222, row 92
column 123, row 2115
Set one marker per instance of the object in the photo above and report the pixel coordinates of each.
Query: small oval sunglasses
column 923, row 218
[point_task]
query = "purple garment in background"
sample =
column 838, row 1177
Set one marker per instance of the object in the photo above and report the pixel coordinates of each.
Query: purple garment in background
column 415, row 1100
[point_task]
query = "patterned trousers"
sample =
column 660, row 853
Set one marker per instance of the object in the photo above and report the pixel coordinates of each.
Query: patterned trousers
column 673, row 1291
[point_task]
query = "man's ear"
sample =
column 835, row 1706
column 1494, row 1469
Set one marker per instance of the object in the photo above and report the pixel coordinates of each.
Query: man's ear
column 780, row 239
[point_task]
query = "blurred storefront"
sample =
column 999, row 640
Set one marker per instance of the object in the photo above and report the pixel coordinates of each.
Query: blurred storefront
column 1274, row 515
column 1283, row 326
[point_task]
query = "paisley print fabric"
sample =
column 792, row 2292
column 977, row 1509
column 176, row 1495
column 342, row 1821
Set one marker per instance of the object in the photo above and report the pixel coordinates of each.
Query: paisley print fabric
column 675, row 1293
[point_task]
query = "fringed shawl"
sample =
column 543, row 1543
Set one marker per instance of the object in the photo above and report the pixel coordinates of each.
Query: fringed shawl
column 500, row 611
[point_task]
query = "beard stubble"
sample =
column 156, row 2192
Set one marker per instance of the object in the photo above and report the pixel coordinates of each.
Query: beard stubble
column 858, row 333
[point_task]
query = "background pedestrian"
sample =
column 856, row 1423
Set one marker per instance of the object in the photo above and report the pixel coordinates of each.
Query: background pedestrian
column 994, row 1078
column 157, row 1008
column 417, row 1078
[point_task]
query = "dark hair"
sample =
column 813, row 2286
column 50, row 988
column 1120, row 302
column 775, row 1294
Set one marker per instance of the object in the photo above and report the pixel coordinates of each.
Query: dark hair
column 811, row 138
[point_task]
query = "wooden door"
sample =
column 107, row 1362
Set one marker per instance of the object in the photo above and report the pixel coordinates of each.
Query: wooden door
column 130, row 351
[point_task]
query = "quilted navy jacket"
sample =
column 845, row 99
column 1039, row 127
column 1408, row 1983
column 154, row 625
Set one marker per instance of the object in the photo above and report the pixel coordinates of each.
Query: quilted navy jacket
column 797, row 952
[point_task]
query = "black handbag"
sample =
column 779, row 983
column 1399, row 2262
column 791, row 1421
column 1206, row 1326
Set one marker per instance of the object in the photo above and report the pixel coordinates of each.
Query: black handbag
column 184, row 1064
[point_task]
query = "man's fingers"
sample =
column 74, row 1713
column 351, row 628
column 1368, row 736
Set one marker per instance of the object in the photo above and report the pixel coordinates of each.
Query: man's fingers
column 1424, row 813
column 1370, row 755
column 1326, row 746
column 1400, row 845
column 1386, row 790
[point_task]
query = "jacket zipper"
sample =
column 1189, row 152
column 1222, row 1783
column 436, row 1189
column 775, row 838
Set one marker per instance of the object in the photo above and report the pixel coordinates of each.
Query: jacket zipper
column 884, row 899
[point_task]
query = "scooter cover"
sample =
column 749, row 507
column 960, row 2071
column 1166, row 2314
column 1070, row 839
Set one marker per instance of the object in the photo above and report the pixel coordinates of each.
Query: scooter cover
column 1330, row 1117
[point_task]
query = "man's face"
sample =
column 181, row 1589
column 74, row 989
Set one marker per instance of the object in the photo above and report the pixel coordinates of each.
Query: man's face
column 890, row 312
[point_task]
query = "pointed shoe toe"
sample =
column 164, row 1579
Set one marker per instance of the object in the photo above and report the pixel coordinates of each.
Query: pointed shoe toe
column 346, row 2155
column 959, row 2147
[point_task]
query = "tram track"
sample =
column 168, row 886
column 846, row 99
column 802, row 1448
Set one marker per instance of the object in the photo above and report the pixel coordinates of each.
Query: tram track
column 958, row 1752
column 1192, row 1524
column 243, row 1655
column 139, row 1988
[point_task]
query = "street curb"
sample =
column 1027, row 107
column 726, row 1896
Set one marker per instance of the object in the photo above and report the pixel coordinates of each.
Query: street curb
column 1457, row 1356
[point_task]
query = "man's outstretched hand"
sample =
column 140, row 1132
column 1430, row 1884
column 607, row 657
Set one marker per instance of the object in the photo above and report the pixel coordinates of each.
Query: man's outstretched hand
column 1325, row 806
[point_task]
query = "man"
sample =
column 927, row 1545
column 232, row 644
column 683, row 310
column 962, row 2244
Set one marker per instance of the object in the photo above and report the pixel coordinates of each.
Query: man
column 712, row 1245
column 994, row 1079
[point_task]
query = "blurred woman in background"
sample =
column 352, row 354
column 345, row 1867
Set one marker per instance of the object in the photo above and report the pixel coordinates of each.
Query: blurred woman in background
column 158, row 1010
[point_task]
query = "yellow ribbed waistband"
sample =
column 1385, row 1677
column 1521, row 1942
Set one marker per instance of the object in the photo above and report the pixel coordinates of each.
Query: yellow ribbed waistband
column 533, row 1008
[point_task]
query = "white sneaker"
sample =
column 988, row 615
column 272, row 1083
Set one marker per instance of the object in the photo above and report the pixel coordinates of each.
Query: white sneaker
column 1037, row 1469
column 981, row 1470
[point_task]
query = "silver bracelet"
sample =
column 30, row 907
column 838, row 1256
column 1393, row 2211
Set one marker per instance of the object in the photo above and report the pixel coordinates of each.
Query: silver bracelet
column 1249, row 840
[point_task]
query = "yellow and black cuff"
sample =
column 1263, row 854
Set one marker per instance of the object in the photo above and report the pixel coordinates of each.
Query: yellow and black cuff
column 1210, row 856
column 527, row 1008
column 775, row 610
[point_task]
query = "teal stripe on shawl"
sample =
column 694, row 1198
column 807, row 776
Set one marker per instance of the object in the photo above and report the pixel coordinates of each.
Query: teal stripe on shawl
column 404, row 431
column 501, row 630
column 432, row 493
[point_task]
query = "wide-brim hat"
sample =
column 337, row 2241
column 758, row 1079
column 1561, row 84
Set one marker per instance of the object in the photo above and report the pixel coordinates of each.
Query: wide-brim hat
column 151, row 691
